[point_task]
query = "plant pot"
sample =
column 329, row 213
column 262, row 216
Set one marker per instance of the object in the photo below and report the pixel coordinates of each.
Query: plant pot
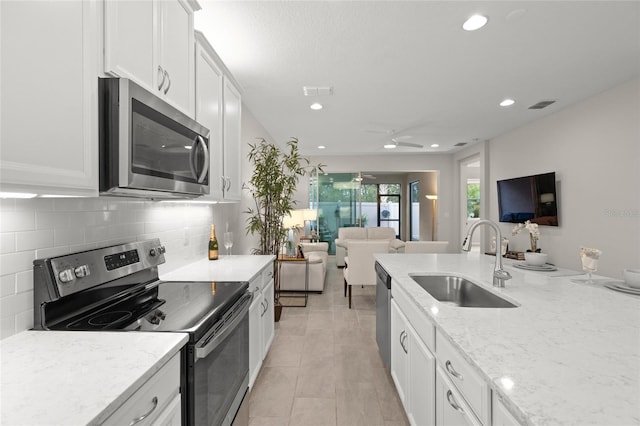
column 277, row 310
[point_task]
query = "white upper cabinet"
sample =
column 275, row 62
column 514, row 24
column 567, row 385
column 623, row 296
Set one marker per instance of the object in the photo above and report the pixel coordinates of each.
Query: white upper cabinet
column 209, row 109
column 151, row 42
column 232, row 140
column 49, row 102
column 219, row 108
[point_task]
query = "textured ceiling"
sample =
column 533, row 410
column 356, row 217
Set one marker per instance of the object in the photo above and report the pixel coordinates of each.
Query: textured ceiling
column 406, row 69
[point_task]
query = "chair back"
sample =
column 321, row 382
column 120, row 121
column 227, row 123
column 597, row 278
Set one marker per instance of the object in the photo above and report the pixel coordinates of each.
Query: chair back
column 352, row 233
column 381, row 233
column 361, row 266
column 426, row 246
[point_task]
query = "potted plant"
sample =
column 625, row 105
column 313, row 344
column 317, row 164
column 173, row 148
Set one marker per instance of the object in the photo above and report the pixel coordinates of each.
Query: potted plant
column 272, row 185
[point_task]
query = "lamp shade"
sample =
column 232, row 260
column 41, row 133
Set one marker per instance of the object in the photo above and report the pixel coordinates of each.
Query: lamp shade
column 295, row 219
column 310, row 214
column 431, row 196
column 547, row 198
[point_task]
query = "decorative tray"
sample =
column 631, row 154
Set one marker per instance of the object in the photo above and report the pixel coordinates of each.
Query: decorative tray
column 622, row 286
column 547, row 267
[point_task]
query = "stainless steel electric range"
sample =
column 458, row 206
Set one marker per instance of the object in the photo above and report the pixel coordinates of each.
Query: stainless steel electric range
column 118, row 288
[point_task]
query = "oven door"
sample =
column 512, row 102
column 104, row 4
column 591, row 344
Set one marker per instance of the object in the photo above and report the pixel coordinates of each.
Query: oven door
column 147, row 144
column 218, row 369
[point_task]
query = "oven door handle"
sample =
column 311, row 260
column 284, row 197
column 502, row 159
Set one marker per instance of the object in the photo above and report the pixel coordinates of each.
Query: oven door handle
column 238, row 312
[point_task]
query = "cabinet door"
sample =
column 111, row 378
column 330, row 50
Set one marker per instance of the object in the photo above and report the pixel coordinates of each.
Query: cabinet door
column 232, row 140
column 129, row 46
column 399, row 353
column 209, row 81
column 49, row 102
column 172, row 414
column 421, row 381
column 255, row 333
column 176, row 55
column 451, row 409
column 268, row 320
column 500, row 415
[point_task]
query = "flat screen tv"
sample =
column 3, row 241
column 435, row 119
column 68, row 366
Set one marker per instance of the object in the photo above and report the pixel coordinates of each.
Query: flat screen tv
column 531, row 198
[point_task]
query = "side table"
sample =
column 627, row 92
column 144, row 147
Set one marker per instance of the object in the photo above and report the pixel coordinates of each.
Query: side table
column 298, row 262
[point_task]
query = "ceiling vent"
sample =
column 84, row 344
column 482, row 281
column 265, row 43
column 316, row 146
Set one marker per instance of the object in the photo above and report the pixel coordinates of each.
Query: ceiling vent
column 541, row 104
column 460, row 144
column 317, row 91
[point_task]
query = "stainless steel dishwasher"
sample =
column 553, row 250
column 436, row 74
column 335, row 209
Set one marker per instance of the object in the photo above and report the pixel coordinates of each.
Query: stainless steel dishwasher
column 383, row 314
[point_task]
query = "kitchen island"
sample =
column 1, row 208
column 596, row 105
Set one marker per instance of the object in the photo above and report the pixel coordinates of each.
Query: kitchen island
column 568, row 354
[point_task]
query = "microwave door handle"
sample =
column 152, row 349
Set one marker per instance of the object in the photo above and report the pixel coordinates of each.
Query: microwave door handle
column 192, row 159
column 205, row 163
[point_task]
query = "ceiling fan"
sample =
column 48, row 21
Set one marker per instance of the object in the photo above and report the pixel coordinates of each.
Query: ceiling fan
column 361, row 176
column 396, row 142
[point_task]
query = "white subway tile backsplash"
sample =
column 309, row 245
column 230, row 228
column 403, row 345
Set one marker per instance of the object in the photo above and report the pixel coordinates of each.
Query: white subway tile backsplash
column 13, row 221
column 12, row 263
column 7, row 242
column 7, row 285
column 68, row 236
column 24, row 281
column 52, row 220
column 41, row 228
column 31, row 240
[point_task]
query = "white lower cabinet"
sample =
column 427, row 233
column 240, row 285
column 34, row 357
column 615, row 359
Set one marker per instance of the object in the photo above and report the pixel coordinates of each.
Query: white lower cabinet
column 261, row 320
column 157, row 402
column 451, row 408
column 500, row 415
column 412, row 369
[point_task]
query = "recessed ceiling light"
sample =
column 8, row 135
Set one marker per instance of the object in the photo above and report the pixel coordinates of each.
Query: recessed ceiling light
column 474, row 23
column 435, row 145
column 321, row 147
column 316, row 106
column 390, row 145
column 507, row 102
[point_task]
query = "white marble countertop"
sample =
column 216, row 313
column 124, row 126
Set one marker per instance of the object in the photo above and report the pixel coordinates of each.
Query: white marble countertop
column 569, row 354
column 225, row 268
column 76, row 378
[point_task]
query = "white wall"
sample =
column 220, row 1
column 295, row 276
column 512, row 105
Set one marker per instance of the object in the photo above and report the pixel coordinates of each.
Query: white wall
column 594, row 148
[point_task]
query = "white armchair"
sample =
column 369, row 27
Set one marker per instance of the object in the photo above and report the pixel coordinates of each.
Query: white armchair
column 346, row 235
column 292, row 273
column 360, row 264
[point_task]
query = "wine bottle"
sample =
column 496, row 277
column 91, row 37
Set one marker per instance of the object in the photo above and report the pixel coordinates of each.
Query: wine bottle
column 213, row 244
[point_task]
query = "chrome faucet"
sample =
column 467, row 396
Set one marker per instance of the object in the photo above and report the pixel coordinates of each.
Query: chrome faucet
column 499, row 274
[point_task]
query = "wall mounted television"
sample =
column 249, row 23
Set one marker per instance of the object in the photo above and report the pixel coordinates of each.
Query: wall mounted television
column 531, row 198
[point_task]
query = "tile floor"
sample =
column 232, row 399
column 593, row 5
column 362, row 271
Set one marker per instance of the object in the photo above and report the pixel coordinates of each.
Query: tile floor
column 323, row 367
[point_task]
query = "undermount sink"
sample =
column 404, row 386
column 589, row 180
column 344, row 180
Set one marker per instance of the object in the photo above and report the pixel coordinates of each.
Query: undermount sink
column 459, row 291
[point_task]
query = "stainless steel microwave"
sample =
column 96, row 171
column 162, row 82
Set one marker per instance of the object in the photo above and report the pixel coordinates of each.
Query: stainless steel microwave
column 147, row 147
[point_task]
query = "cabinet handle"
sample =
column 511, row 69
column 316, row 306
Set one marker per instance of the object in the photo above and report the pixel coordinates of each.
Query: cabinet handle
column 168, row 81
column 403, row 336
column 452, row 371
column 224, row 183
column 452, row 402
column 228, row 184
column 144, row 416
column 161, row 74
column 266, row 306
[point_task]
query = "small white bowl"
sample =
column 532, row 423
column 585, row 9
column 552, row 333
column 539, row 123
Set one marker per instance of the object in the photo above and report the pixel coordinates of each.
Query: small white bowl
column 632, row 277
column 535, row 259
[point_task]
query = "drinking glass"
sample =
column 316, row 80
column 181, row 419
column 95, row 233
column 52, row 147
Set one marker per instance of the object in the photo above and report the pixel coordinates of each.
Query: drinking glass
column 589, row 258
column 228, row 241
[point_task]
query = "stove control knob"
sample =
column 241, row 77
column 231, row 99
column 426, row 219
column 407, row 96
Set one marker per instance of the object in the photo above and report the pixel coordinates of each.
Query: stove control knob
column 66, row 276
column 152, row 252
column 162, row 250
column 82, row 271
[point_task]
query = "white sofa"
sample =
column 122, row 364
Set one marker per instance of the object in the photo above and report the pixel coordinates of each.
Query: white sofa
column 363, row 234
column 292, row 273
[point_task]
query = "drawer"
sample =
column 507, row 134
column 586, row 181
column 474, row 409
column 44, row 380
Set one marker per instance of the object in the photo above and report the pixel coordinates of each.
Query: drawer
column 464, row 377
column 164, row 385
column 418, row 319
column 267, row 275
column 451, row 408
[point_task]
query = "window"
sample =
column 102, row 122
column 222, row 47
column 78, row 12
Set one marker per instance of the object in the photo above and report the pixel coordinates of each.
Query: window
column 414, row 211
